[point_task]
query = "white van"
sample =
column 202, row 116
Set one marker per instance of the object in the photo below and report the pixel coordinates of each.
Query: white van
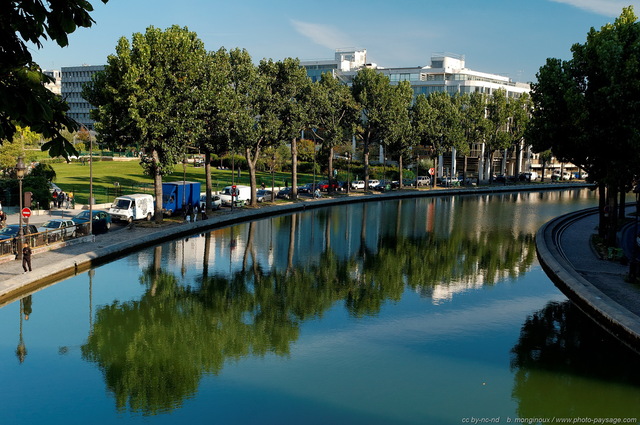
column 243, row 194
column 127, row 208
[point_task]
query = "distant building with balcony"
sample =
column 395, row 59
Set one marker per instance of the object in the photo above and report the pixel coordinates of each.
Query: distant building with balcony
column 448, row 73
column 56, row 85
column 73, row 78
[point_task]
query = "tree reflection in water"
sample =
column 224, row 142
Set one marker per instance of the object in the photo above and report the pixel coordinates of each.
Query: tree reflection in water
column 153, row 351
column 559, row 355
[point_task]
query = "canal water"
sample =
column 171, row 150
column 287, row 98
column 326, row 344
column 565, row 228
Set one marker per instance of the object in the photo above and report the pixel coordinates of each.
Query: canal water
column 420, row 311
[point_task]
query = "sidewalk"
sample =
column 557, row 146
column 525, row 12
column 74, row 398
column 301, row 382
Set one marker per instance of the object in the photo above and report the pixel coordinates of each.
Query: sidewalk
column 597, row 286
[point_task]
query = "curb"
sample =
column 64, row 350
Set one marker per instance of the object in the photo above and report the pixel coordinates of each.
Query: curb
column 607, row 313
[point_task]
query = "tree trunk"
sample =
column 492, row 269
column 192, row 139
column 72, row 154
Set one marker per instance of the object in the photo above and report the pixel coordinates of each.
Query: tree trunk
column 294, row 168
column 464, row 170
column 400, row 171
column 621, row 204
column 612, row 201
column 365, row 158
column 251, row 163
column 207, row 174
column 157, row 186
column 330, row 188
column 602, row 204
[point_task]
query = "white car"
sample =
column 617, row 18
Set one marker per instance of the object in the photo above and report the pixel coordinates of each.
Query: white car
column 357, row 184
column 216, row 203
column 58, row 228
column 423, row 181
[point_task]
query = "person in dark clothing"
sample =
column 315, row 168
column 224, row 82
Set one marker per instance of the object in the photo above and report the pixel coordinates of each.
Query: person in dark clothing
column 26, row 257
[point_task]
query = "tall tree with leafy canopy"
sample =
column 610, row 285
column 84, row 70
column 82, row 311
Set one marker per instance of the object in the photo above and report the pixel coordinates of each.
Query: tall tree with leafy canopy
column 401, row 138
column 24, row 101
column 215, row 93
column 372, row 91
column 498, row 114
column 150, row 93
column 586, row 110
column 520, row 115
column 333, row 114
column 437, row 123
column 293, row 87
column 253, row 116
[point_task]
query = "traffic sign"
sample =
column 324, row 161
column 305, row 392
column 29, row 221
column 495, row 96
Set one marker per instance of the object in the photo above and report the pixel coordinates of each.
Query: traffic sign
column 432, row 171
column 26, row 212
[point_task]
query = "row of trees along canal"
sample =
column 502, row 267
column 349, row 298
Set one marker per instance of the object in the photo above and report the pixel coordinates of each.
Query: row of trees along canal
column 166, row 93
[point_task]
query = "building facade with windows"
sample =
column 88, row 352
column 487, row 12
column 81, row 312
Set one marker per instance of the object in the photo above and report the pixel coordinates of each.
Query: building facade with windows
column 56, row 85
column 73, row 78
column 448, row 73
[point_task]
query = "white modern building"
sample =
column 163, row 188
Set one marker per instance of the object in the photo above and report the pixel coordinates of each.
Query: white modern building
column 73, row 78
column 446, row 72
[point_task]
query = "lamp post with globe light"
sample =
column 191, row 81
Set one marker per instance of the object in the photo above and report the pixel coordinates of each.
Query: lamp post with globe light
column 20, row 170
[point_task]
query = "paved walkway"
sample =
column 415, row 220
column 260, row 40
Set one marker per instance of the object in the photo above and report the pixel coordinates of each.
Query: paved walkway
column 598, row 286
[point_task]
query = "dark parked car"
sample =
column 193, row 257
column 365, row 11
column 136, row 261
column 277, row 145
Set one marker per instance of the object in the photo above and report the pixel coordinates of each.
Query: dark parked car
column 11, row 231
column 306, row 188
column 284, row 193
column 101, row 221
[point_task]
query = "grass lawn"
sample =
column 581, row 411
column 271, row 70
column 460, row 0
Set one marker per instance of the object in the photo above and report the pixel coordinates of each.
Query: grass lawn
column 74, row 177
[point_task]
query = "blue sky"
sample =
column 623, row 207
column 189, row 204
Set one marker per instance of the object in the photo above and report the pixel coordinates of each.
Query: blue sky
column 508, row 37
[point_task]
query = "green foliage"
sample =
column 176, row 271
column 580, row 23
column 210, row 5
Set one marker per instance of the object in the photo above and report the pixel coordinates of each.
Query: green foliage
column 148, row 96
column 24, row 100
column 44, row 170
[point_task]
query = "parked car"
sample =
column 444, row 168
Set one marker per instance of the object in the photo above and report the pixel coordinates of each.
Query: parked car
column 382, row 185
column 216, row 202
column 357, row 184
column 101, row 220
column 373, row 183
column 324, row 185
column 422, row 181
column 528, row 176
column 306, row 188
column 11, row 230
column 264, row 194
column 58, row 228
column 284, row 193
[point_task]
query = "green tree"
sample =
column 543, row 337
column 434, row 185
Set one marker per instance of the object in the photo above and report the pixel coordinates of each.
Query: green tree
column 149, row 93
column 401, row 139
column 333, row 114
column 586, row 110
column 437, row 123
column 520, row 111
column 253, row 116
column 372, row 91
column 214, row 97
column 498, row 114
column 24, row 101
column 293, row 87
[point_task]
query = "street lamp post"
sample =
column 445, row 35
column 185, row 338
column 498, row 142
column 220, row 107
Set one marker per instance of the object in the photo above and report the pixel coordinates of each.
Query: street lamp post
column 20, row 169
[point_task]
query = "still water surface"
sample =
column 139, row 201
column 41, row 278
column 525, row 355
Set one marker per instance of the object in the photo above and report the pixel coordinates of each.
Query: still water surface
column 422, row 311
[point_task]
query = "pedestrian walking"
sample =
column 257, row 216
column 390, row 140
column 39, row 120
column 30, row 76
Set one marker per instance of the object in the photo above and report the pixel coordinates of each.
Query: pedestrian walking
column 26, row 257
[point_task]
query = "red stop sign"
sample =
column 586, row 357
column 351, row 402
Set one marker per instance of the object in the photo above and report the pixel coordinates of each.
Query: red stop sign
column 26, row 212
